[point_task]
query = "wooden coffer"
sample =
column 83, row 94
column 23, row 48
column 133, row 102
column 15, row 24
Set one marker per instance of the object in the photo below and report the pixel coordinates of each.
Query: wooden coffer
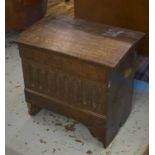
column 80, row 69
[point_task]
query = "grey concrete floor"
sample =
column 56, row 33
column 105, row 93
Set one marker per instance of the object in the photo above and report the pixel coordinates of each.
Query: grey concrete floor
column 45, row 133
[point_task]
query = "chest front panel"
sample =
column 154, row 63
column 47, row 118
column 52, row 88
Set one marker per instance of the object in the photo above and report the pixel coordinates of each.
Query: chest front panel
column 68, row 80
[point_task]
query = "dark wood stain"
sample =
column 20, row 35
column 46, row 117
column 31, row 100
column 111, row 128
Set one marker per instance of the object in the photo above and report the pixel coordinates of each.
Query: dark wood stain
column 77, row 39
column 81, row 70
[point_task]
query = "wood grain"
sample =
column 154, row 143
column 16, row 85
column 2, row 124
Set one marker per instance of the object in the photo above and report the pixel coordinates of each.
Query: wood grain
column 96, row 43
column 23, row 13
column 129, row 14
column 81, row 70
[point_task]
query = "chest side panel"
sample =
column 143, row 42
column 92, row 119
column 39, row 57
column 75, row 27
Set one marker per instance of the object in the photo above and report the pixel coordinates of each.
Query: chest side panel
column 65, row 79
column 120, row 95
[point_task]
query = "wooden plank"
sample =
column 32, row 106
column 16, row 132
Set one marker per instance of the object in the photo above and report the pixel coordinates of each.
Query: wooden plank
column 97, row 43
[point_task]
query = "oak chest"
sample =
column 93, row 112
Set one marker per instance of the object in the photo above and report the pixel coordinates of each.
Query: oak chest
column 80, row 69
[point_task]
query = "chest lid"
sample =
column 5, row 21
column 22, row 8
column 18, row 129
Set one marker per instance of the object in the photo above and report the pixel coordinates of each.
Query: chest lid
column 96, row 43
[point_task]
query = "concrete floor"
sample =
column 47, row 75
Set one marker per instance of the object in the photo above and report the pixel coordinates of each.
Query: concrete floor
column 46, row 134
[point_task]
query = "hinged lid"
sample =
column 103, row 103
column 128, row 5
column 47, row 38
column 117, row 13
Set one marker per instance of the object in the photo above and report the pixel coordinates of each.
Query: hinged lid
column 96, row 43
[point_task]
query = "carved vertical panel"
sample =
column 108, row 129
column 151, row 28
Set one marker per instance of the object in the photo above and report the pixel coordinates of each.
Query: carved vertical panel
column 77, row 91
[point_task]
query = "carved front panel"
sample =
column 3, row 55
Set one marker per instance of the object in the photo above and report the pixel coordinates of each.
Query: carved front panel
column 70, row 89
